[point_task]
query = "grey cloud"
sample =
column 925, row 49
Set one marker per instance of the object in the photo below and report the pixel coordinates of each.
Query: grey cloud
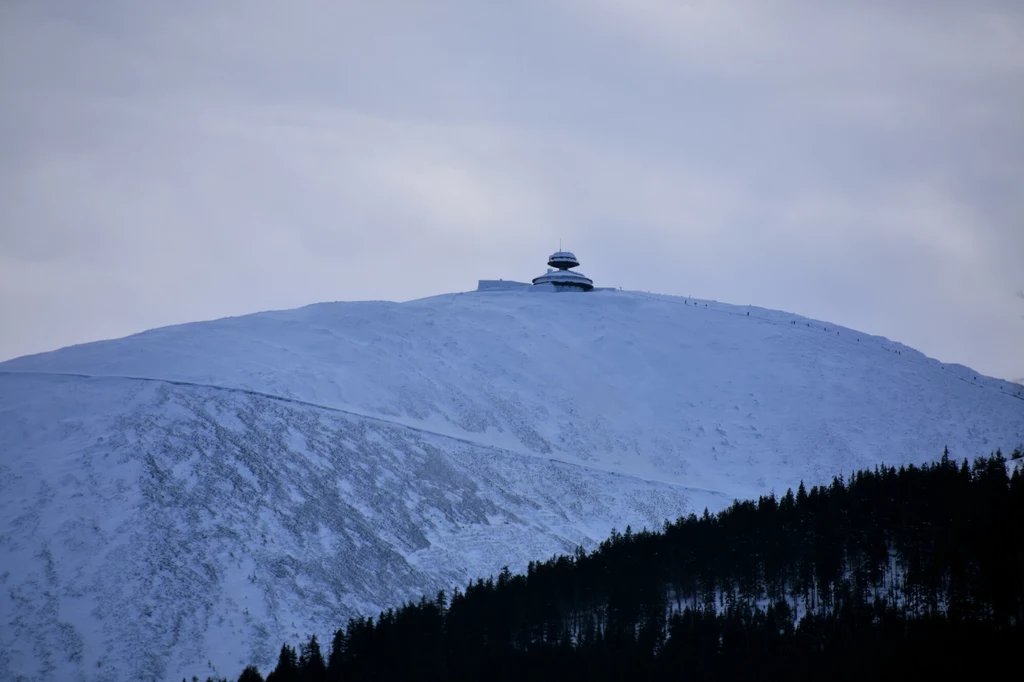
column 857, row 162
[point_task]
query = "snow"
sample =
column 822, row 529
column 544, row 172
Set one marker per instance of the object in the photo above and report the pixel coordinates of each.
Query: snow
column 492, row 284
column 563, row 277
column 179, row 502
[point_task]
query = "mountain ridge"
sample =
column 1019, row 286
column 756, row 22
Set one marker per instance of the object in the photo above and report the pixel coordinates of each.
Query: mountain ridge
column 195, row 488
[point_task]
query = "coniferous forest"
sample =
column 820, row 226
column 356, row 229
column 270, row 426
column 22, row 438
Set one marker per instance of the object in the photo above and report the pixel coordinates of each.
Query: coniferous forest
column 892, row 573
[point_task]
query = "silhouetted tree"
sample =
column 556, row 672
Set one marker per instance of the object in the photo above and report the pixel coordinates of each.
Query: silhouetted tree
column 250, row 674
column 889, row 572
column 287, row 669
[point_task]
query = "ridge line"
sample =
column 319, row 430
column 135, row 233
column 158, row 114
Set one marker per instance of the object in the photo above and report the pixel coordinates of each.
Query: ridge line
column 353, row 413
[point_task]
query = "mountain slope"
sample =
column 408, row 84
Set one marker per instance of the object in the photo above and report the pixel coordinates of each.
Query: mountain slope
column 192, row 489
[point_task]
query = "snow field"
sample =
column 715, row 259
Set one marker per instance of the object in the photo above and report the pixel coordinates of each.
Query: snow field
column 181, row 501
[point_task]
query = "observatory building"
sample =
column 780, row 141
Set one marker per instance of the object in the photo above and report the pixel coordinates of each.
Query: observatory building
column 560, row 275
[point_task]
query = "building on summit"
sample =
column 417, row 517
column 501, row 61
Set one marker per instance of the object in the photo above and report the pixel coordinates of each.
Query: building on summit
column 560, row 275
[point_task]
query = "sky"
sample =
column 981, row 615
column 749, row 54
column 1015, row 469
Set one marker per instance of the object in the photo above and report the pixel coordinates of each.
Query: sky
column 860, row 163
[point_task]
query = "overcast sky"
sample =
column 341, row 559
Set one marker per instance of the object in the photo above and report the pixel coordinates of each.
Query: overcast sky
column 858, row 162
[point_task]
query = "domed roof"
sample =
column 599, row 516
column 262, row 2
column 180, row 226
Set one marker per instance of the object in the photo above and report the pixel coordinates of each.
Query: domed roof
column 563, row 259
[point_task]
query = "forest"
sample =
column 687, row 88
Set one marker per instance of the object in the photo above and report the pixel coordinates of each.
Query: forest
column 890, row 573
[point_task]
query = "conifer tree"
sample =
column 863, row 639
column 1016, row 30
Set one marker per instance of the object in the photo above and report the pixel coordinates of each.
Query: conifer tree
column 892, row 572
column 250, row 674
column 312, row 667
column 287, row 669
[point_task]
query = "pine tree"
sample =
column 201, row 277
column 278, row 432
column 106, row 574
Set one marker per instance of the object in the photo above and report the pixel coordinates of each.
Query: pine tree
column 250, row 674
column 287, row 669
column 899, row 570
column 336, row 660
column 312, row 667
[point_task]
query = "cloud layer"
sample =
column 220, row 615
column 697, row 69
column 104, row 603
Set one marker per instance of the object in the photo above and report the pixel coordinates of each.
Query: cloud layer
column 856, row 162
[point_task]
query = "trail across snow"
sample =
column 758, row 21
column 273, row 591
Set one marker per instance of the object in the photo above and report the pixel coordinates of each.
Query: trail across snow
column 304, row 403
column 180, row 501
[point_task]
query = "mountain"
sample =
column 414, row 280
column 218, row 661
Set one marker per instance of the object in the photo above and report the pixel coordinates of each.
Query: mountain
column 181, row 501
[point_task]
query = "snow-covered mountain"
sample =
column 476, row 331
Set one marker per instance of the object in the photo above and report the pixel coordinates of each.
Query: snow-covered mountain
column 181, row 501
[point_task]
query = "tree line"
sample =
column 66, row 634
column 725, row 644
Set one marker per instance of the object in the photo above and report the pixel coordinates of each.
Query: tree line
column 889, row 573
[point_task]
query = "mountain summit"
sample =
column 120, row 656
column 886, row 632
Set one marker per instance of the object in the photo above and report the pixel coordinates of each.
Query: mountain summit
column 211, row 489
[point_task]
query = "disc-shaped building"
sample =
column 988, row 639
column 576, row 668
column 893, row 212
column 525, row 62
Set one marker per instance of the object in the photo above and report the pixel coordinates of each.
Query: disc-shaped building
column 560, row 275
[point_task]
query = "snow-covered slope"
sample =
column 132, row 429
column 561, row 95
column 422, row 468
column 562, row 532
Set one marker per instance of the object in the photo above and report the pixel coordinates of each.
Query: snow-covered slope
column 180, row 501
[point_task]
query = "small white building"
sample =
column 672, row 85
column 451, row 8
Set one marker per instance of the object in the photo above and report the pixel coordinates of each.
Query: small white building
column 500, row 285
